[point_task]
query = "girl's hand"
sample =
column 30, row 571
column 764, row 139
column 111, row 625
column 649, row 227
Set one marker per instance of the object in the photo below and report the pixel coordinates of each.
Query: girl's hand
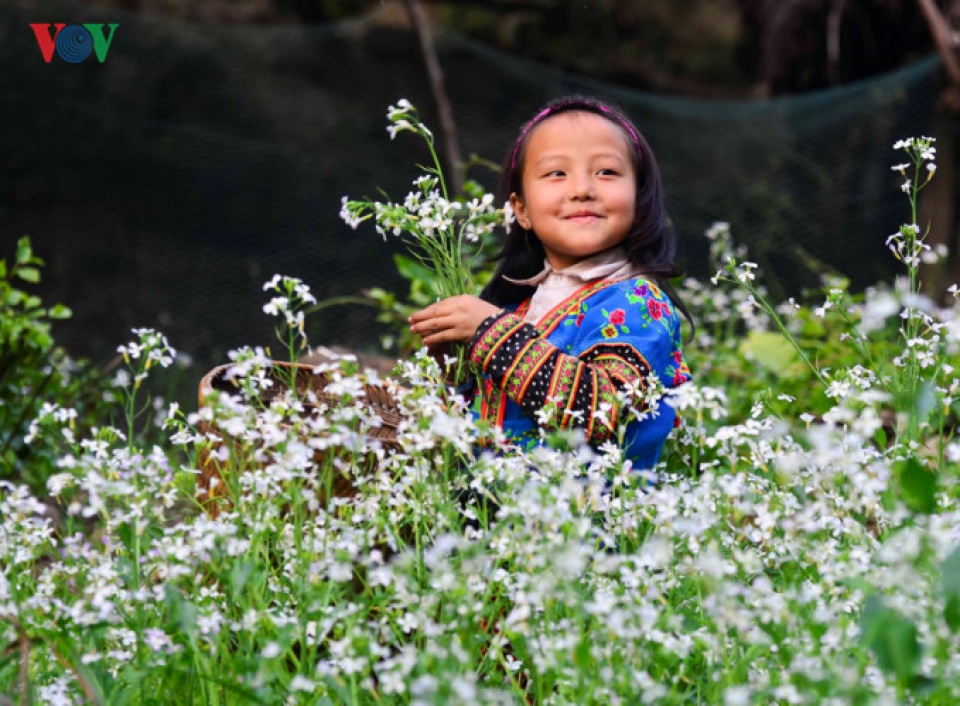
column 453, row 319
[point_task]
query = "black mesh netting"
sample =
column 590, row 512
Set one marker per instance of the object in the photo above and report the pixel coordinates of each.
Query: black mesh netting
column 164, row 186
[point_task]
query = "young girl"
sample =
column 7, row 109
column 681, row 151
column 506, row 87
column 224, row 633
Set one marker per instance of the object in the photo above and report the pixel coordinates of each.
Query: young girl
column 577, row 309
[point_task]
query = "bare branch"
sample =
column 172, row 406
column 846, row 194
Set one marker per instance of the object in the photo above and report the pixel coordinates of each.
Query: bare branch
column 942, row 38
column 448, row 128
column 24, row 679
column 834, row 25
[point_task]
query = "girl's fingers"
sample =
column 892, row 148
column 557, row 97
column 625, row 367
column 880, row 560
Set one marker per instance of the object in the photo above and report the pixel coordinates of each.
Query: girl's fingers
column 428, row 316
column 418, row 316
column 434, row 319
column 435, row 337
column 441, row 330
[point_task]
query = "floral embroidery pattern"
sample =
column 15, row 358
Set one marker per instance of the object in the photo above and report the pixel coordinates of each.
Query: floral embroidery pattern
column 656, row 306
column 577, row 316
column 679, row 373
column 616, row 325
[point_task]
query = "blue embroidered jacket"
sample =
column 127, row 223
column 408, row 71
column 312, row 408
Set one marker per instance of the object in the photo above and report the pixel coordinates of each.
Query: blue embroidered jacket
column 576, row 358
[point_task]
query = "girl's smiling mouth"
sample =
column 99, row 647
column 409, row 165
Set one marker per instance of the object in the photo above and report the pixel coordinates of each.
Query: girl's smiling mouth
column 582, row 216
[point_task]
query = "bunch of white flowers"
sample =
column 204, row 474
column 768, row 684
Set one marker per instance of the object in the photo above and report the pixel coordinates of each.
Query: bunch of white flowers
column 443, row 231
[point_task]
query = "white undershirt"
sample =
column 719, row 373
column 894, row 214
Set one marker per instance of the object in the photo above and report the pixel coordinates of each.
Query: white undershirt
column 554, row 286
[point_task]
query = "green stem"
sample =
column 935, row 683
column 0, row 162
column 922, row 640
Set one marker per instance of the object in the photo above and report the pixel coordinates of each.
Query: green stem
column 436, row 166
column 338, row 301
column 785, row 332
column 859, row 338
column 912, row 372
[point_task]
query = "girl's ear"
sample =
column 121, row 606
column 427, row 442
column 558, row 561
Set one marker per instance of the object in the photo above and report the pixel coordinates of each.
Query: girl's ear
column 520, row 211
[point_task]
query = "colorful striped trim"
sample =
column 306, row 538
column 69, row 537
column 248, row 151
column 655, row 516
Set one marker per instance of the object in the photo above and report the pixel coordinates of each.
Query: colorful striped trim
column 493, row 404
column 496, row 334
column 621, row 360
column 561, row 385
column 537, row 352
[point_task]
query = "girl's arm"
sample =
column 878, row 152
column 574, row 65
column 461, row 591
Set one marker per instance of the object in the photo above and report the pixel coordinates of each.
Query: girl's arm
column 616, row 339
column 559, row 390
column 620, row 345
column 638, row 333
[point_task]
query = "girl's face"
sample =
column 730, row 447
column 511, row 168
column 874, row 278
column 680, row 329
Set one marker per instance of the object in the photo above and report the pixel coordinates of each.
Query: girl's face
column 579, row 186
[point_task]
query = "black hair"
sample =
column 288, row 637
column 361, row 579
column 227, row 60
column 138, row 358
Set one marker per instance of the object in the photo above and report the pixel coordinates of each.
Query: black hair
column 650, row 244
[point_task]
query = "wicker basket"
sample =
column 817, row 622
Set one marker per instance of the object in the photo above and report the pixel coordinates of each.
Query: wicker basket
column 377, row 399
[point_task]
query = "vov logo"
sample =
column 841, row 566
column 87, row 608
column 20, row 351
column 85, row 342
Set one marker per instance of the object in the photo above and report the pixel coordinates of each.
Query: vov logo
column 74, row 43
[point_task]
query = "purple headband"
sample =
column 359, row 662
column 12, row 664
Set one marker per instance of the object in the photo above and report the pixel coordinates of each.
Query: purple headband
column 569, row 107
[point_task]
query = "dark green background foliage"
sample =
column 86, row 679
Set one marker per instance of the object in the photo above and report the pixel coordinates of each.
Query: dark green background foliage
column 35, row 371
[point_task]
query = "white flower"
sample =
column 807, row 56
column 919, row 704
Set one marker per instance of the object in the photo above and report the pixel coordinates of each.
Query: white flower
column 122, row 378
column 349, row 214
column 402, row 107
column 953, row 451
column 717, row 229
column 508, row 216
column 56, row 483
column 400, row 126
column 303, row 291
column 276, row 306
column 737, row 696
column 301, row 683
column 157, row 640
column 340, row 572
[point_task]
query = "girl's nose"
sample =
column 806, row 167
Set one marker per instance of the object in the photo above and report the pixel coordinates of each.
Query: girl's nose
column 581, row 187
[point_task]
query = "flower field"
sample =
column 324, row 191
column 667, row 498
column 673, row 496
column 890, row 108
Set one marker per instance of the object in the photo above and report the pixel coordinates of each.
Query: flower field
column 798, row 543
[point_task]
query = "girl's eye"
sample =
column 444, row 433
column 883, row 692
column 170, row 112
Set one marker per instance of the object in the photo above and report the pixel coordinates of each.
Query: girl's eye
column 608, row 172
column 554, row 173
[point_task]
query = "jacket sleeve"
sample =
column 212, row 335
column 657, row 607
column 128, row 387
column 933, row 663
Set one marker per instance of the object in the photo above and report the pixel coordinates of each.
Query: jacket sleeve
column 557, row 389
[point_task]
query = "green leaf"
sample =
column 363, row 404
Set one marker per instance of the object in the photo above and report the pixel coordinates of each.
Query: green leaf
column 812, row 327
column 925, row 401
column 582, row 655
column 770, row 350
column 242, row 574
column 918, row 486
column 892, row 637
column 881, row 438
column 24, row 251
column 29, row 274
column 183, row 614
column 950, row 581
column 59, row 311
column 412, row 269
column 3, row 269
